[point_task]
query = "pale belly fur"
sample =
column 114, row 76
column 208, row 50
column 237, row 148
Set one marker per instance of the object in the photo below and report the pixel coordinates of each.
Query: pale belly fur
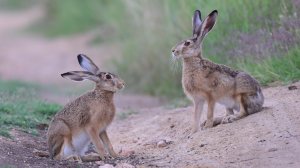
column 229, row 102
column 80, row 143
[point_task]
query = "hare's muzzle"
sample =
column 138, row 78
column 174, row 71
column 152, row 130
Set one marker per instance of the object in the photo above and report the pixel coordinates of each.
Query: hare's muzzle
column 174, row 53
column 120, row 84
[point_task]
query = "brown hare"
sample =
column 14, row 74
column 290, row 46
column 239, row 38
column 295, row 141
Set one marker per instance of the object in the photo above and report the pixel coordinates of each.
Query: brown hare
column 203, row 80
column 85, row 119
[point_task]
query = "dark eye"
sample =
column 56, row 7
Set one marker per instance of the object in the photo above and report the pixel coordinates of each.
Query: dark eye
column 108, row 76
column 187, row 43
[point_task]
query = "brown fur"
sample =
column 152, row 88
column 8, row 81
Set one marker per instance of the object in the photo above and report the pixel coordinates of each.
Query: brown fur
column 203, row 80
column 86, row 118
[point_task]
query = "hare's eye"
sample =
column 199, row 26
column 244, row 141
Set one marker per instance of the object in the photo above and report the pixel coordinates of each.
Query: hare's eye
column 187, row 43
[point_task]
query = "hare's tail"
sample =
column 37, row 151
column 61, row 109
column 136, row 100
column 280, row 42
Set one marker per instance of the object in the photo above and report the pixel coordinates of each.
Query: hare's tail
column 55, row 144
column 254, row 102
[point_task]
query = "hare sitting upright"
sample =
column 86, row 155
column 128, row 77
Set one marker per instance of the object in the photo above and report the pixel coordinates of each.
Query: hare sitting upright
column 85, row 119
column 204, row 80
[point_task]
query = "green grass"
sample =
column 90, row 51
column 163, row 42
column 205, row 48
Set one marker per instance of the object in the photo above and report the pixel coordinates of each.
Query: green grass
column 147, row 29
column 16, row 4
column 146, row 51
column 69, row 17
column 20, row 107
column 285, row 68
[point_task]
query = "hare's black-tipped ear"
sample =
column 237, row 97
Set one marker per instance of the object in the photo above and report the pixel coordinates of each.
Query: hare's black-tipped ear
column 197, row 21
column 80, row 76
column 87, row 64
column 208, row 23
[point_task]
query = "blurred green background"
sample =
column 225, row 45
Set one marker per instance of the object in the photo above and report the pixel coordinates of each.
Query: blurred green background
column 261, row 37
column 135, row 38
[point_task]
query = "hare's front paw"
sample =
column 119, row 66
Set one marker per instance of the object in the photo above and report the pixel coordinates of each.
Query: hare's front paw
column 208, row 124
column 228, row 119
column 195, row 128
column 102, row 157
column 113, row 154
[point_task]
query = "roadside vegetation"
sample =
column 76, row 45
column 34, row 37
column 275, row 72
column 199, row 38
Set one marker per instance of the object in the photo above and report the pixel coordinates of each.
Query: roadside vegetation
column 16, row 4
column 261, row 37
column 21, row 108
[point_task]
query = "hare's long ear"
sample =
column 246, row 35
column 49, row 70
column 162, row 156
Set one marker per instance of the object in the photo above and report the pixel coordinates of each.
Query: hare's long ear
column 80, row 75
column 197, row 21
column 87, row 64
column 208, row 23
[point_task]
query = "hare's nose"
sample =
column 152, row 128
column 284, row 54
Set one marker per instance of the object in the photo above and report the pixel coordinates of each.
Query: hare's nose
column 122, row 83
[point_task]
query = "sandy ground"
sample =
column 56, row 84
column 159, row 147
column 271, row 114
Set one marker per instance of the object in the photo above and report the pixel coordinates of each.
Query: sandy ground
column 270, row 138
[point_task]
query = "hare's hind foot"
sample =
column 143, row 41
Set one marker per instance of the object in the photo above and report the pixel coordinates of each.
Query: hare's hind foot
column 74, row 158
column 229, row 111
column 232, row 118
column 216, row 121
column 242, row 113
column 229, row 119
column 92, row 157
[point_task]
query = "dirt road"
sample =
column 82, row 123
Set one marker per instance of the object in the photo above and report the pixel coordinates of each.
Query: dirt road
column 270, row 138
column 29, row 57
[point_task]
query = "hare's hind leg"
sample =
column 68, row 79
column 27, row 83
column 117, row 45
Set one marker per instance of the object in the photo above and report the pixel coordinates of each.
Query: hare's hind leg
column 55, row 144
column 57, row 140
column 107, row 144
column 242, row 113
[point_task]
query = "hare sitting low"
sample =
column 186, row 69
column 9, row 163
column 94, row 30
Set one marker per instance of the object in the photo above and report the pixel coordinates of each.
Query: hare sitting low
column 85, row 119
column 204, row 80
